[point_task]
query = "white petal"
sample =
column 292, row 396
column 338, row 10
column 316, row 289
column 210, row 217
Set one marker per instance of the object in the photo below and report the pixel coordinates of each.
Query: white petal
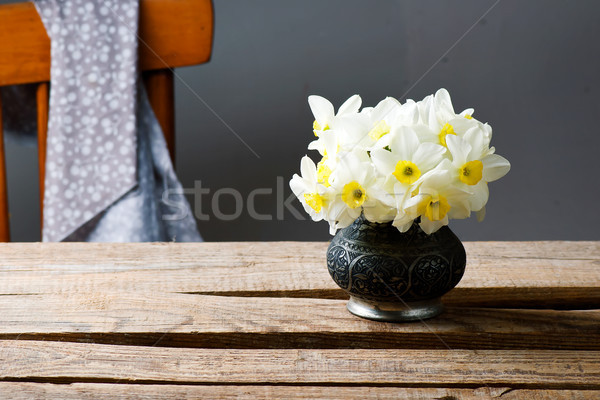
column 297, row 185
column 315, row 216
column 403, row 225
column 317, row 145
column 336, row 210
column 332, row 228
column 330, row 142
column 403, row 221
column 350, row 106
column 436, row 179
column 488, row 131
column 430, row 227
column 378, row 212
column 308, row 169
column 494, row 167
column 443, row 102
column 428, row 155
column 425, row 134
column 462, row 125
column 479, row 145
column 433, row 120
column 401, row 193
column 352, row 129
column 467, row 111
column 405, row 143
column 442, row 96
column 412, row 112
column 384, row 161
column 321, row 108
column 350, row 168
column 459, row 149
column 351, row 215
column 406, row 114
column 480, row 196
column 412, row 204
column 480, row 214
column 383, row 108
column 424, row 107
column 459, row 209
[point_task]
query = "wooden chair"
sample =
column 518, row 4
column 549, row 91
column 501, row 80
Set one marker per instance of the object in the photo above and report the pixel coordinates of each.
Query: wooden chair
column 172, row 34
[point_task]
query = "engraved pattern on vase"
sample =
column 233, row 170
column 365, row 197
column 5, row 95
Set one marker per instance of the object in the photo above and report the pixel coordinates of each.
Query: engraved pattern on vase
column 376, row 262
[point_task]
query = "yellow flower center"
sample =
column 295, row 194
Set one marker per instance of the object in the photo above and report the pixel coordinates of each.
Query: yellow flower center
column 379, row 130
column 317, row 128
column 471, row 172
column 407, row 172
column 314, row 201
column 354, row 194
column 447, row 129
column 468, row 116
column 437, row 208
column 323, row 172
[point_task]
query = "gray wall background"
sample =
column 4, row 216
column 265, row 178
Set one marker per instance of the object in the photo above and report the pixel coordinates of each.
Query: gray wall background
column 530, row 69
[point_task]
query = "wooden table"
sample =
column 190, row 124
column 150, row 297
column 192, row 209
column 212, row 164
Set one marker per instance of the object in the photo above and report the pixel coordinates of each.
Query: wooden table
column 265, row 320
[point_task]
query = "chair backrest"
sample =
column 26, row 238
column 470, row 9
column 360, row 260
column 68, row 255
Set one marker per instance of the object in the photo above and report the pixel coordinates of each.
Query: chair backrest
column 171, row 34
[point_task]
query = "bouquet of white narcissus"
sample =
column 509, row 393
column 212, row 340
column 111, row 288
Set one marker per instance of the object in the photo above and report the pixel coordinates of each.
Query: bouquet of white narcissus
column 397, row 162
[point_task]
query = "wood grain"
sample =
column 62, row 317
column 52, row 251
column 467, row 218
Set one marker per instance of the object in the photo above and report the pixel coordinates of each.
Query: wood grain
column 499, row 274
column 264, row 320
column 87, row 391
column 161, row 94
column 180, row 320
column 4, row 216
column 43, row 107
column 77, row 362
column 175, row 33
column 172, row 34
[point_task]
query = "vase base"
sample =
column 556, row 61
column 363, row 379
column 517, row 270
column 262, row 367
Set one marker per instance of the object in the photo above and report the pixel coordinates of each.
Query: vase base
column 395, row 312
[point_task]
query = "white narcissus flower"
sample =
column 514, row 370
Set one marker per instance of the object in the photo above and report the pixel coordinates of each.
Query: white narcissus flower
column 474, row 165
column 315, row 197
column 380, row 118
column 436, row 201
column 397, row 162
column 438, row 116
column 328, row 147
column 362, row 130
column 331, row 136
column 406, row 114
column 356, row 188
column 402, row 159
column 324, row 113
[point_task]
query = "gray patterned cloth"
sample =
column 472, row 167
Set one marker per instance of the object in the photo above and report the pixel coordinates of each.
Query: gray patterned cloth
column 108, row 172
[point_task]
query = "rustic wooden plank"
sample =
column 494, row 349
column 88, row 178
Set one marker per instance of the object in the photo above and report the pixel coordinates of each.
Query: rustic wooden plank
column 172, row 34
column 502, row 274
column 550, row 250
column 180, row 320
column 95, row 363
column 186, row 254
column 87, row 391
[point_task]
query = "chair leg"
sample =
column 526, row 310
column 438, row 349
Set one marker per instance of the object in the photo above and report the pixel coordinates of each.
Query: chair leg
column 42, row 123
column 4, row 217
column 161, row 93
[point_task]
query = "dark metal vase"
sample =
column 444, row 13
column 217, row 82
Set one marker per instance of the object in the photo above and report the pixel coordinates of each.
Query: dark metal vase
column 394, row 276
